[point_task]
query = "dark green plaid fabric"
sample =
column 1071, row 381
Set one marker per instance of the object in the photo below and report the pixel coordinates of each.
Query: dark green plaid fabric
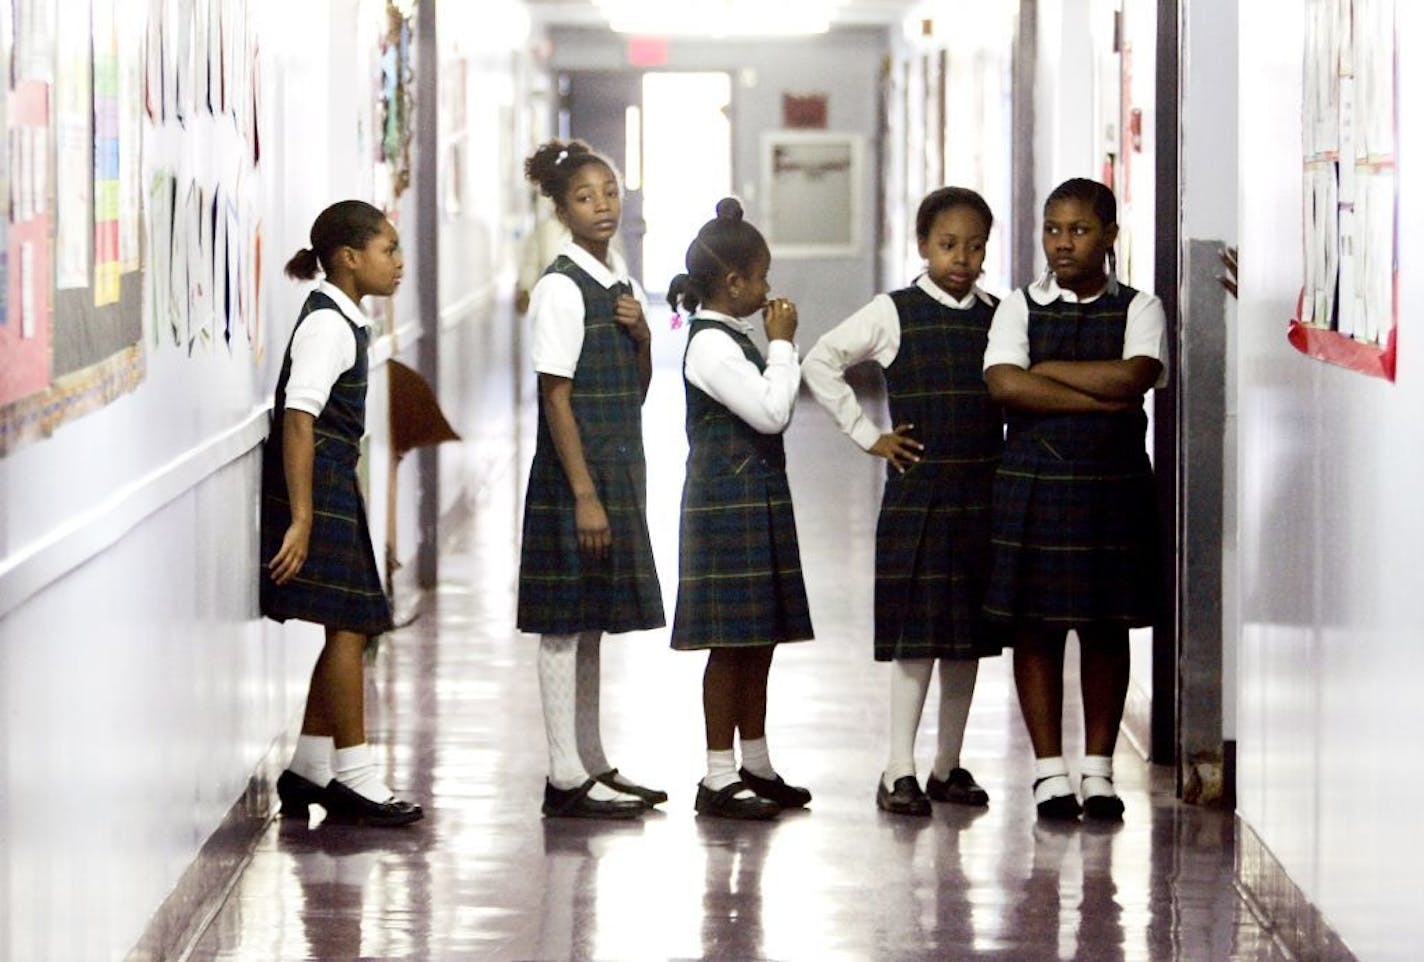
column 932, row 539
column 739, row 578
column 561, row 592
column 339, row 585
column 1074, row 512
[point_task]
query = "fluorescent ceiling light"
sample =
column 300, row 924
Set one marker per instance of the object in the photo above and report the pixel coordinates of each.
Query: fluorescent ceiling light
column 719, row 18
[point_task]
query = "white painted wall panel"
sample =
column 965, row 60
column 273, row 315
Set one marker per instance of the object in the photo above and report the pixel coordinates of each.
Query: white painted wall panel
column 1330, row 523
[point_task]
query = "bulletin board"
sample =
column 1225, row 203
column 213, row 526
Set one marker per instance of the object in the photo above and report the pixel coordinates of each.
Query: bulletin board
column 122, row 237
column 1348, row 308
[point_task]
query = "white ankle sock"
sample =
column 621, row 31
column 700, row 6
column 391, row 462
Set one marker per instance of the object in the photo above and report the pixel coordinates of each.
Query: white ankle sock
column 1051, row 778
column 909, row 683
column 1097, row 776
column 956, row 692
column 312, row 758
column 756, row 757
column 722, row 771
column 355, row 768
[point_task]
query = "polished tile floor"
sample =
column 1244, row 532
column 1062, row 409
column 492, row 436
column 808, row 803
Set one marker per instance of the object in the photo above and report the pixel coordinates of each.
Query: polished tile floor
column 455, row 711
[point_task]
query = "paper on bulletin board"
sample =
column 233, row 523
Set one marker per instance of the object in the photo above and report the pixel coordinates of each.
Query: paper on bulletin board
column 26, row 338
column 74, row 169
column 105, row 79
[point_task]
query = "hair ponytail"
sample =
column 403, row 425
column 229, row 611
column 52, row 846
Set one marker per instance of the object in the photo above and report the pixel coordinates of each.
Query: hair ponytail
column 726, row 244
column 554, row 162
column 303, row 265
column 346, row 223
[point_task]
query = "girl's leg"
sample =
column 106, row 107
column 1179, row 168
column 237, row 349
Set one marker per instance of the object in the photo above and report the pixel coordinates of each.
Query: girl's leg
column 757, row 770
column 337, row 704
column 720, row 699
column 956, row 692
column 558, row 692
column 312, row 759
column 909, row 684
column 589, row 730
column 589, row 735
column 1038, row 676
column 1106, row 663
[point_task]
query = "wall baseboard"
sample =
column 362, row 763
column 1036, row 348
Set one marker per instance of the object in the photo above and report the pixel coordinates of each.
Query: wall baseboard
column 1281, row 906
column 202, row 890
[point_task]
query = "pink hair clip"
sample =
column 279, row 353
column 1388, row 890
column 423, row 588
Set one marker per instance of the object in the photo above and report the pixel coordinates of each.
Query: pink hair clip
column 676, row 321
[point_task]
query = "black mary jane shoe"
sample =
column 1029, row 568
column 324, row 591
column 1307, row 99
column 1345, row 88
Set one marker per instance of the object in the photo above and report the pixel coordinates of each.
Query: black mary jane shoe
column 776, row 790
column 1059, row 808
column 344, row 805
column 904, row 799
column 724, row 803
column 959, row 788
column 1103, row 808
column 297, row 794
column 575, row 803
column 650, row 796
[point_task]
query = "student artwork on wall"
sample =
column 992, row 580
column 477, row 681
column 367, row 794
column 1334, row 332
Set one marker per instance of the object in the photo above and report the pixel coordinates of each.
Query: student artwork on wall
column 1348, row 306
column 120, row 238
column 812, row 193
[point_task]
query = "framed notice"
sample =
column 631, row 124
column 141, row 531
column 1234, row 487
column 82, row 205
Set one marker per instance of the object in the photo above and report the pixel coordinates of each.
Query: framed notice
column 812, row 188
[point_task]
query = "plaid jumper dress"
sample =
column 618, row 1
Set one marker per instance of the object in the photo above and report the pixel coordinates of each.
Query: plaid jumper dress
column 338, row 586
column 1075, row 516
column 932, row 539
column 739, row 575
column 560, row 591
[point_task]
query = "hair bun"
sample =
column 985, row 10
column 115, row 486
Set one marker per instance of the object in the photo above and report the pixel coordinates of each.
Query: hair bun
column 729, row 208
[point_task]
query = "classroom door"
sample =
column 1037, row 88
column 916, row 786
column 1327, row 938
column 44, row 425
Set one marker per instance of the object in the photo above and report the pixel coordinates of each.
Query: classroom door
column 598, row 104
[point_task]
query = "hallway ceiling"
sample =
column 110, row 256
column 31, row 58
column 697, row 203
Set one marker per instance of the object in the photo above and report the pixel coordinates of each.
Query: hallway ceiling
column 850, row 13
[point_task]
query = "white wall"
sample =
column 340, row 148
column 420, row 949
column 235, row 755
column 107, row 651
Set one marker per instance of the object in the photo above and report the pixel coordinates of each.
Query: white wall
column 1330, row 525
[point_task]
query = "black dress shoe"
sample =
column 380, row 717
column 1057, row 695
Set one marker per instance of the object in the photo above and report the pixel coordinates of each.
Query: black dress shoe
column 296, row 794
column 344, row 805
column 724, row 803
column 1059, row 808
column 776, row 790
column 904, row 799
column 575, row 803
column 959, row 788
column 651, row 796
column 1106, row 808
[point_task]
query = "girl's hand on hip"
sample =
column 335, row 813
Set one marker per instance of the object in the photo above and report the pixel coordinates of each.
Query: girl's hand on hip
column 628, row 312
column 780, row 315
column 591, row 521
column 288, row 560
column 898, row 447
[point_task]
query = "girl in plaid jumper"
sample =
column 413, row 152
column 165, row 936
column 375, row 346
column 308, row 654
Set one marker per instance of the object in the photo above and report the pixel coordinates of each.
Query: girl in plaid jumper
column 932, row 539
column 586, row 562
column 315, row 540
column 1070, row 357
column 739, row 589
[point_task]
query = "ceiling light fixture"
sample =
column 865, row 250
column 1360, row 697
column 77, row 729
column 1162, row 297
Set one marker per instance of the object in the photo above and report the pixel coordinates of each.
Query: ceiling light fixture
column 719, row 18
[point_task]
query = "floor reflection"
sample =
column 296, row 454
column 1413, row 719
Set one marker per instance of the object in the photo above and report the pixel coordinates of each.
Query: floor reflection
column 484, row 877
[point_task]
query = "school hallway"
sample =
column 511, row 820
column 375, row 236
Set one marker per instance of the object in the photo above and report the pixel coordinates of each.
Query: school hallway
column 484, row 876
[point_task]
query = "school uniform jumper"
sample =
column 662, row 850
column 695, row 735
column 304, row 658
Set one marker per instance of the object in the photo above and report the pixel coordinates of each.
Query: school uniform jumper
column 932, row 538
column 560, row 591
column 1074, row 513
column 739, row 577
column 339, row 585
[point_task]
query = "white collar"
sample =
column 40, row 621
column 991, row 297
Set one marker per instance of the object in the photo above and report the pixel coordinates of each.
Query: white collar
column 614, row 272
column 736, row 323
column 350, row 308
column 1045, row 290
column 924, row 283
